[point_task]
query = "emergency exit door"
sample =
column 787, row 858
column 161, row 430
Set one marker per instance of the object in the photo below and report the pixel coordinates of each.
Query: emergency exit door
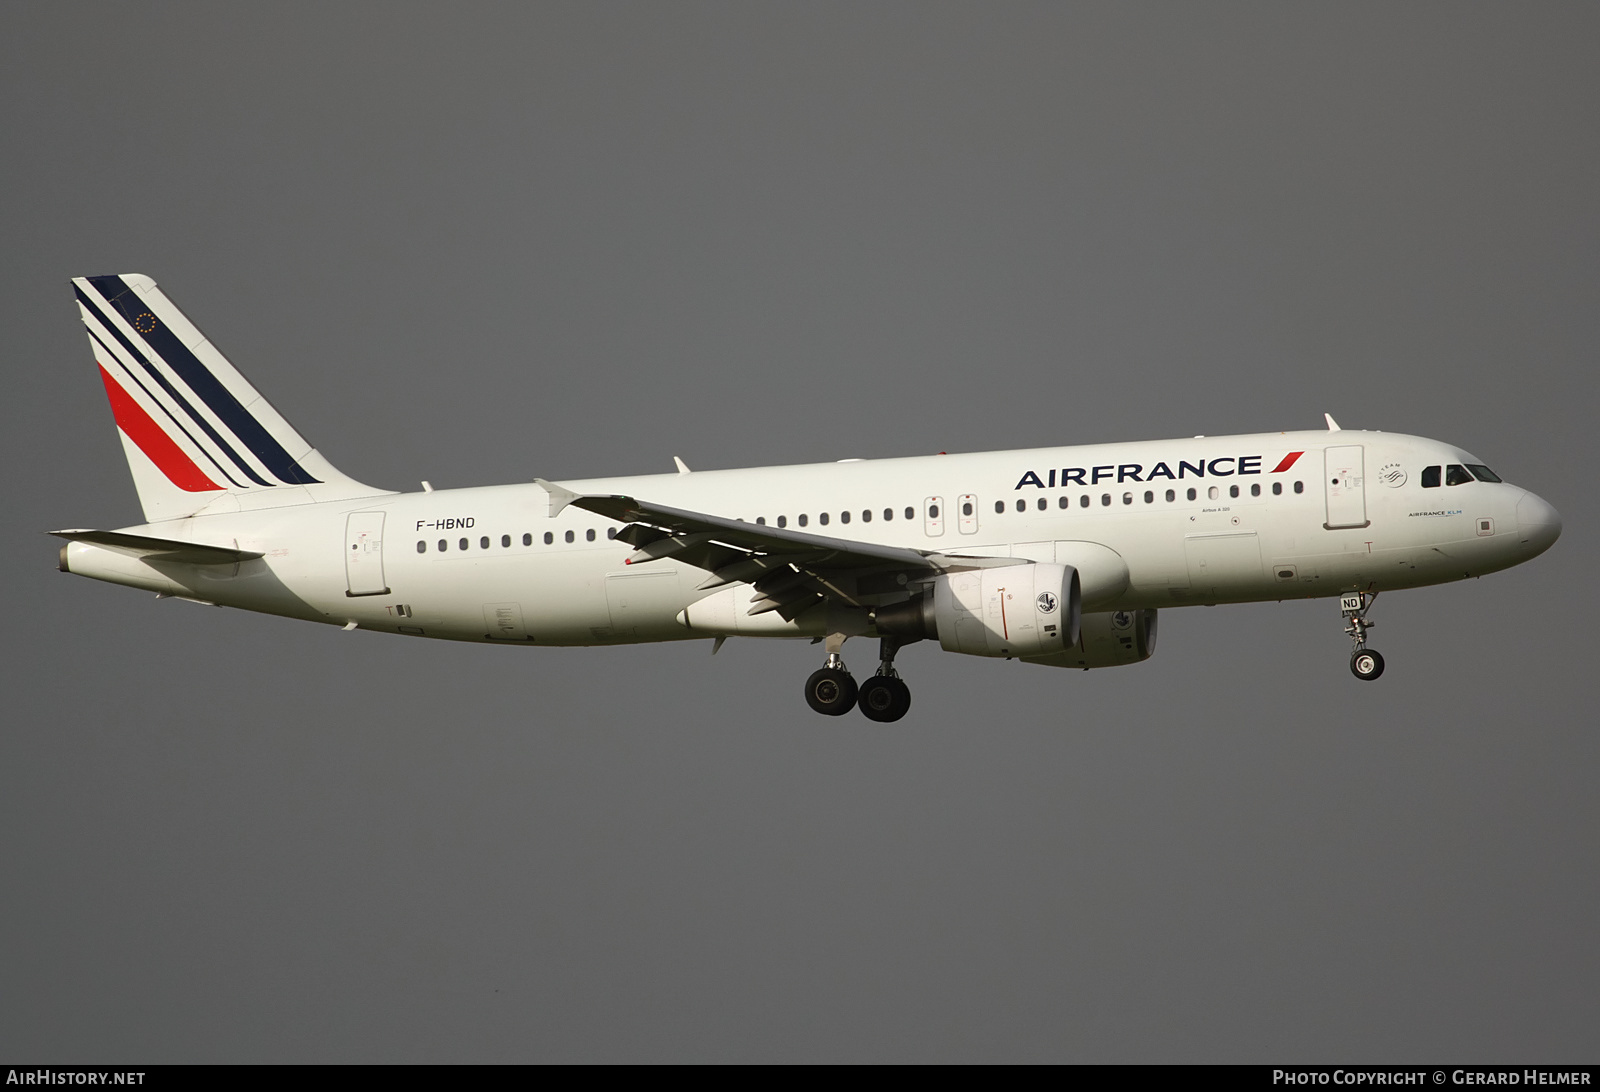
column 363, row 554
column 1344, row 479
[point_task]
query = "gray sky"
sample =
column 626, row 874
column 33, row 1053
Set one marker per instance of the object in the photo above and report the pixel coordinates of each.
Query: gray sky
column 479, row 243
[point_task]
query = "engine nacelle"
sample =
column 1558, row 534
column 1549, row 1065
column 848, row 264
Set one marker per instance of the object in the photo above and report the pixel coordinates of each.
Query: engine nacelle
column 1108, row 639
column 1013, row 610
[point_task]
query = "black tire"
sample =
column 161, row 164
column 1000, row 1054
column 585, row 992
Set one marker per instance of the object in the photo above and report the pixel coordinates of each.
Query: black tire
column 884, row 699
column 831, row 692
column 1366, row 664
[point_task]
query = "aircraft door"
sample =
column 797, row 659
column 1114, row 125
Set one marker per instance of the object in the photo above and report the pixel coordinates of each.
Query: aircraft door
column 363, row 554
column 967, row 513
column 1344, row 479
column 933, row 516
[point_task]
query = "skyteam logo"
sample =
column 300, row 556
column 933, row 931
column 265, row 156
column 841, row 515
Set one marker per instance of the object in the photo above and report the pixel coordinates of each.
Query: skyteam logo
column 1225, row 466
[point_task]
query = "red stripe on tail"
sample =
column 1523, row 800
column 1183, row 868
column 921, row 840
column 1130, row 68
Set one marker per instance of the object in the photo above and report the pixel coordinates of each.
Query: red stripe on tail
column 153, row 441
column 1288, row 461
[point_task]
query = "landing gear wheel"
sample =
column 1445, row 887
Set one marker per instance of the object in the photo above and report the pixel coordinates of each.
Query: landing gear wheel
column 831, row 691
column 884, row 698
column 1366, row 664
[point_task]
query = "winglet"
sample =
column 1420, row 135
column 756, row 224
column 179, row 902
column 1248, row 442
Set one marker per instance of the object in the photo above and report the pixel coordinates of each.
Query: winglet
column 1333, row 426
column 683, row 467
column 559, row 497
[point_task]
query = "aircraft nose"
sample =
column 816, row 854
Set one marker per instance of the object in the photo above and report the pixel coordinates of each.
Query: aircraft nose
column 1538, row 524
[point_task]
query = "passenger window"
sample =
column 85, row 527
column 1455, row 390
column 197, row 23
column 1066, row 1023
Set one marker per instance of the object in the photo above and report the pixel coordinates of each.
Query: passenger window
column 483, row 543
column 1233, row 490
column 783, row 521
column 527, row 540
column 1482, row 473
column 1212, row 493
column 1171, row 496
column 1277, row 488
column 1083, row 501
column 866, row 515
column 803, row 520
column 1022, row 505
column 569, row 536
column 443, row 545
column 888, row 514
column 1255, row 489
column 1127, row 498
column 505, row 540
column 1149, row 497
column 611, row 532
column 1043, row 504
column 1456, row 474
column 589, row 534
column 844, row 517
column 823, row 519
column 1105, row 500
column 911, row 513
column 1299, row 487
column 422, row 547
column 463, row 544
column 1191, row 493
column 549, row 537
column 761, row 521
column 1064, row 502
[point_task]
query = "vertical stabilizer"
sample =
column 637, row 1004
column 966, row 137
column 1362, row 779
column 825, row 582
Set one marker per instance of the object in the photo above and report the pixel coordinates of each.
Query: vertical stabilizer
column 196, row 433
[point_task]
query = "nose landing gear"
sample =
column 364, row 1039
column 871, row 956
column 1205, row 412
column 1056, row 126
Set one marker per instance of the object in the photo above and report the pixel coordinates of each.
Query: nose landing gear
column 1365, row 663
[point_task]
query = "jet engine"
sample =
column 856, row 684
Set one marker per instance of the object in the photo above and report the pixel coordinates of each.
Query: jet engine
column 1011, row 610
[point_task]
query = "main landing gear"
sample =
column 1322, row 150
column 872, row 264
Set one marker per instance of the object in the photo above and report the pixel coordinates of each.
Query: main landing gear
column 885, row 697
column 1365, row 664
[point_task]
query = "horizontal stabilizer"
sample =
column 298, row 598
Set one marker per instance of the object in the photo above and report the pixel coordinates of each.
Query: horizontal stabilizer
column 161, row 549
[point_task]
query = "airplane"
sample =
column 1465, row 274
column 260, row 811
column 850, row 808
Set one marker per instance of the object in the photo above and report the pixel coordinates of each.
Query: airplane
column 1058, row 557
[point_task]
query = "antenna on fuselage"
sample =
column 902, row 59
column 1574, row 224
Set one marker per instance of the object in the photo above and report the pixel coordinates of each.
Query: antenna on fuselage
column 1333, row 426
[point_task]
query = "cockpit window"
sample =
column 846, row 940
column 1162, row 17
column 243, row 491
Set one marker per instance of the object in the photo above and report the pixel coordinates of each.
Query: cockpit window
column 1456, row 474
column 1430, row 477
column 1482, row 473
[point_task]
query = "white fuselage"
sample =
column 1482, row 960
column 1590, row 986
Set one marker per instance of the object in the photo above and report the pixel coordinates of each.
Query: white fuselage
column 491, row 564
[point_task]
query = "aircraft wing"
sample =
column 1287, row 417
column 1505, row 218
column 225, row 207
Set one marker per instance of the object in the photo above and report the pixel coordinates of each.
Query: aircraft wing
column 794, row 570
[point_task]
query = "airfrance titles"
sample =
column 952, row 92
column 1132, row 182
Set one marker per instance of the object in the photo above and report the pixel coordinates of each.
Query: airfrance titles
column 1225, row 466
